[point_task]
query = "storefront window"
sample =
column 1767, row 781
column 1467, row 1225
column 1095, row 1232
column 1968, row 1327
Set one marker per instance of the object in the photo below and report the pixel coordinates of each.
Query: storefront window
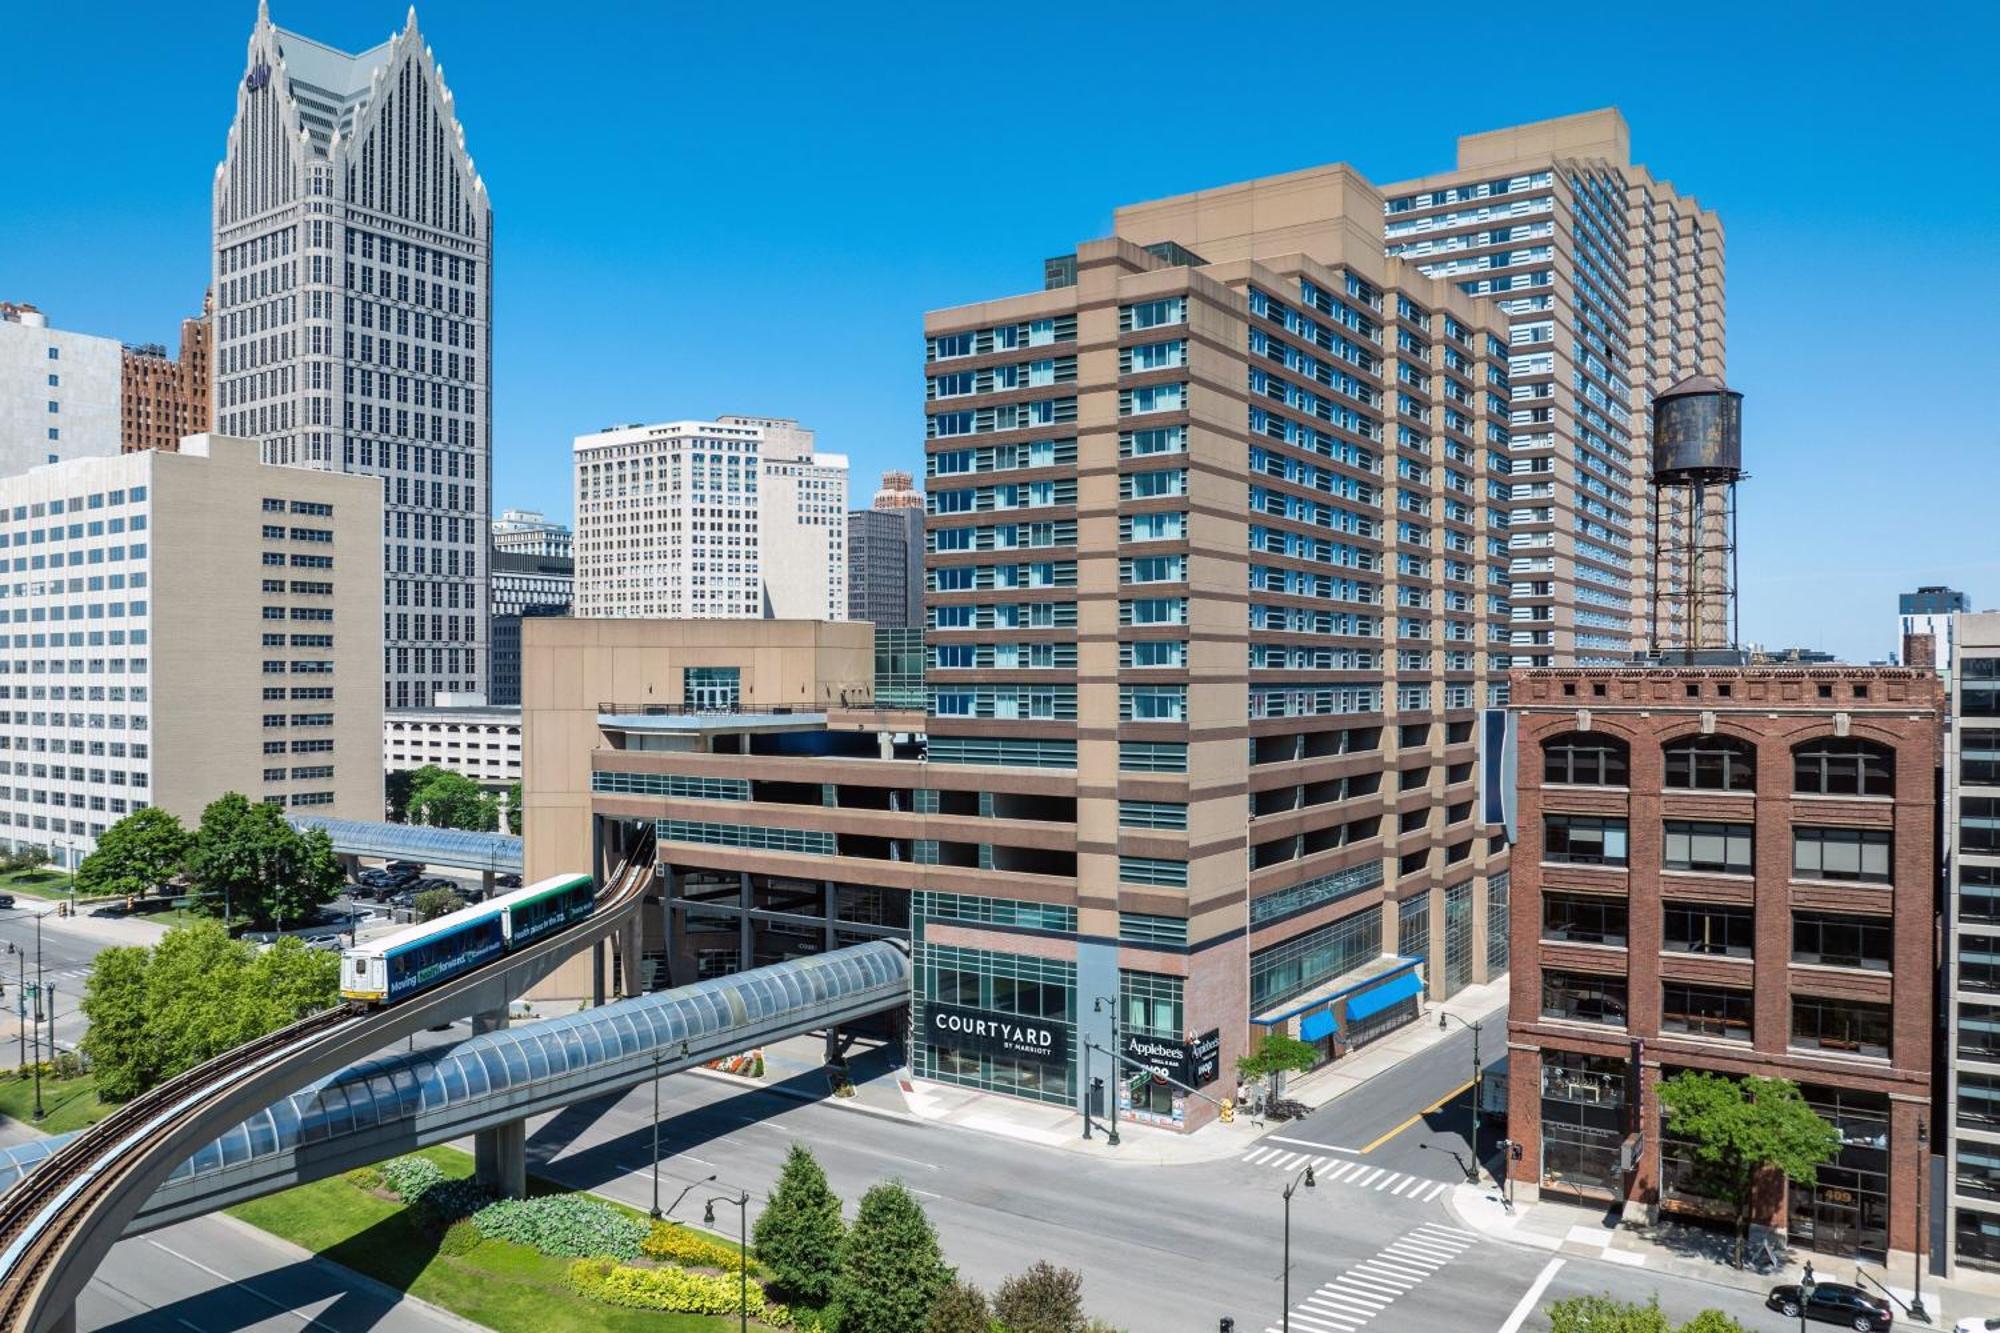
column 1001, row 984
column 1305, row 961
column 1847, row 1211
column 1498, row 915
column 1977, row 1237
column 1151, row 1006
column 1457, row 937
column 1583, row 1119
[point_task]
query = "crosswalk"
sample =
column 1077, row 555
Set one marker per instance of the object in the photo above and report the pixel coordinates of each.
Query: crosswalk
column 1339, row 1171
column 1370, row 1287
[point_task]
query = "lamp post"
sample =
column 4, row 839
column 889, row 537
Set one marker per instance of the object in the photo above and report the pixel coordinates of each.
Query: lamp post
column 1117, row 1074
column 1916, row 1308
column 1305, row 1178
column 656, row 1136
column 742, row 1202
column 39, row 984
column 1806, row 1285
column 1471, row 1139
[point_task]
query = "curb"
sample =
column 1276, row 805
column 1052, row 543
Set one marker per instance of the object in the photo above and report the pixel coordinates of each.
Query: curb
column 853, row 1105
column 354, row 1277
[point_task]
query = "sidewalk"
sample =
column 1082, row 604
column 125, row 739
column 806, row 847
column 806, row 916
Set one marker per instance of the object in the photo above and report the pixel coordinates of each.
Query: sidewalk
column 1485, row 1003
column 1701, row 1254
column 883, row 1087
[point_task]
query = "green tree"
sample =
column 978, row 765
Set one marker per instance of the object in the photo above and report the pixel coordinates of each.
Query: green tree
column 397, row 785
column 1711, row 1321
column 143, row 850
column 514, row 809
column 452, row 800
column 154, row 1013
column 799, row 1234
column 1739, row 1128
column 1044, row 1299
column 959, row 1308
column 891, row 1270
column 1604, row 1314
column 1276, row 1055
column 434, row 903
column 248, row 859
column 118, row 1042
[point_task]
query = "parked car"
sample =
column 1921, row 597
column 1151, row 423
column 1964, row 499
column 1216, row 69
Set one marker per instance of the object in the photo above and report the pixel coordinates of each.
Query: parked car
column 1834, row 1303
column 1974, row 1324
column 437, row 883
column 506, row 881
column 405, row 867
column 6, row 901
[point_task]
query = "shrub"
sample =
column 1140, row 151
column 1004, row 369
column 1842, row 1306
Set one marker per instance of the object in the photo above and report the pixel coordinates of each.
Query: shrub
column 673, row 1290
column 365, row 1178
column 959, row 1308
column 800, row 1233
column 891, row 1268
column 409, row 1177
column 1045, row 1299
column 449, row 1200
column 684, row 1245
column 563, row 1226
column 460, row 1238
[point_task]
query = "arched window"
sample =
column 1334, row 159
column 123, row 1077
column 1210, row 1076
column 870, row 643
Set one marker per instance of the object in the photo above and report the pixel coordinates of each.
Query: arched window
column 1582, row 758
column 1843, row 766
column 1711, row 763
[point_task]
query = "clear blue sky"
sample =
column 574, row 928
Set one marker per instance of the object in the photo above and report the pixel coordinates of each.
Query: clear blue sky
column 705, row 209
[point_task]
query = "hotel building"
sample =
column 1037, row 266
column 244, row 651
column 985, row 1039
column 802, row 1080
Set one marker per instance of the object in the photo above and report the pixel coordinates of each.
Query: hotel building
column 1215, row 572
column 181, row 625
column 1970, row 1141
column 1731, row 870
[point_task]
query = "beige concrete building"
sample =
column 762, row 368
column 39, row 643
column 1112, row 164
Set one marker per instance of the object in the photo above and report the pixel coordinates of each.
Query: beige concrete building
column 479, row 740
column 221, row 633
column 1609, row 288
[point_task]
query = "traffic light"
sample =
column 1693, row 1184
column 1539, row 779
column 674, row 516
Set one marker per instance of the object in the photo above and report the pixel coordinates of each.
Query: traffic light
column 1228, row 1118
column 1228, row 1325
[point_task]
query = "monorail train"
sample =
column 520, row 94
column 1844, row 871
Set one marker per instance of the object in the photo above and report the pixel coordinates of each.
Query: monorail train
column 385, row 970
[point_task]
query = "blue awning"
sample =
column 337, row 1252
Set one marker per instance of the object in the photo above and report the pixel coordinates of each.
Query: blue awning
column 1393, row 991
column 1317, row 1024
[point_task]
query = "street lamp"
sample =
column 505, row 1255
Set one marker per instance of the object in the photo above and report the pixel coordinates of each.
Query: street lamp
column 1472, row 1139
column 1305, row 1178
column 1916, row 1308
column 1806, row 1285
column 1117, row 1074
column 742, row 1202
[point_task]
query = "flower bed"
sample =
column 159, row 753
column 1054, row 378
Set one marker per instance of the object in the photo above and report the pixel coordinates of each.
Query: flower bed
column 670, row 1290
column 563, row 1226
column 684, row 1245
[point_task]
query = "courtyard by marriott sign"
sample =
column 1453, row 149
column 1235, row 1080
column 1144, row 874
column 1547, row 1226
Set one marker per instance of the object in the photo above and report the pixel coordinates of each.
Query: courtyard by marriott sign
column 985, row 1032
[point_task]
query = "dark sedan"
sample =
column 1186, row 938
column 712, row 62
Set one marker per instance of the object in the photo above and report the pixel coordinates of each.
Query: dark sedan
column 1834, row 1303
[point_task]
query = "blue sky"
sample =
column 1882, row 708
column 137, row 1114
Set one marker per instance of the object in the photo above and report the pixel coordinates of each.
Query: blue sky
column 704, row 209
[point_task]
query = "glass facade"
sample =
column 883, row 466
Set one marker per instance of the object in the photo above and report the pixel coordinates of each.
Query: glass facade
column 1042, row 988
column 1413, row 929
column 1297, row 965
column 712, row 689
column 1847, row 1211
column 1583, row 1119
column 899, row 667
column 1499, row 918
column 1457, row 938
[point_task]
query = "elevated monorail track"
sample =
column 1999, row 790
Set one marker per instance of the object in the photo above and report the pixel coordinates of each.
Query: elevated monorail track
column 58, row 1223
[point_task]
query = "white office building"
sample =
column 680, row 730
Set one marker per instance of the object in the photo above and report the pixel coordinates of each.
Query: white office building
column 481, row 741
column 736, row 518
column 174, row 626
column 59, row 392
column 354, row 279
column 530, row 532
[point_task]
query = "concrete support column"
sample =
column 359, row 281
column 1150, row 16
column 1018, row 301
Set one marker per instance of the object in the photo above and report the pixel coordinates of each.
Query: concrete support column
column 746, row 943
column 831, row 909
column 630, row 947
column 500, row 1154
column 485, row 884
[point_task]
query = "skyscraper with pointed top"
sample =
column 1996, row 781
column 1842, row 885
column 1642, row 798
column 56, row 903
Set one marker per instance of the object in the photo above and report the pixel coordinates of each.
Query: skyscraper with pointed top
column 354, row 280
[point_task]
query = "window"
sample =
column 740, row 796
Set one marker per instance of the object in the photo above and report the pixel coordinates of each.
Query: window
column 1711, row 763
column 1582, row 759
column 1979, row 964
column 1979, row 757
column 1836, row 939
column 1708, row 1011
column 1583, row 998
column 1841, row 853
column 1708, row 928
column 1725, row 849
column 1979, row 1099
column 1583, row 840
column 1583, row 918
column 1840, row 1025
column 1844, row 766
column 1979, row 825
column 1979, row 893
column 1979, row 1032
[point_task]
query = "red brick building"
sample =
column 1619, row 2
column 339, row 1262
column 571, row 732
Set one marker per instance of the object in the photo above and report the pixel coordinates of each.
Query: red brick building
column 1728, row 869
column 164, row 399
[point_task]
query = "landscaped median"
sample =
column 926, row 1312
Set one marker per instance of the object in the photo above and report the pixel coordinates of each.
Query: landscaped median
column 553, row 1260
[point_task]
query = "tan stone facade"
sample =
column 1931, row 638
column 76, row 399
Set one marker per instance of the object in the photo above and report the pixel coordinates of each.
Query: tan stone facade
column 1731, row 870
column 164, row 399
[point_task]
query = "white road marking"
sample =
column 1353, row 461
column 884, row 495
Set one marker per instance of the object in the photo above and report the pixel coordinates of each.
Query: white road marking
column 1389, row 1180
column 1398, row 1191
column 1531, row 1298
column 1450, row 1231
column 1322, row 1321
column 1260, row 1155
column 1308, row 1143
column 221, row 1276
column 1344, row 1169
column 1436, row 1190
column 1370, row 1179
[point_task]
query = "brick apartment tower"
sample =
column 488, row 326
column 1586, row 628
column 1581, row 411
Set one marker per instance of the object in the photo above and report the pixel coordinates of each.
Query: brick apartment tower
column 1733, row 870
column 163, row 399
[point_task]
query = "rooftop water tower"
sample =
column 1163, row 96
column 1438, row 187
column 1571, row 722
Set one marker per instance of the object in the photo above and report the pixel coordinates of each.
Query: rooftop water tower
column 1697, row 459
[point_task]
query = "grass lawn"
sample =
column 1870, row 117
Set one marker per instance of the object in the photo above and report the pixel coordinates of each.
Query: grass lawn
column 504, row 1286
column 70, row 1103
column 44, row 882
